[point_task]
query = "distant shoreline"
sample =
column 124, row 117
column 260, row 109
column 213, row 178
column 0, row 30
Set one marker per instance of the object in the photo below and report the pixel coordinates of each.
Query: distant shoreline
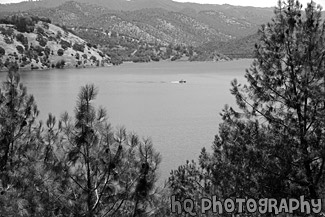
column 27, row 69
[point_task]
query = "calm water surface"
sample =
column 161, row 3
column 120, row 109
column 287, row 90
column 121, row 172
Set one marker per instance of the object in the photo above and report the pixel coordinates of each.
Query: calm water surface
column 180, row 118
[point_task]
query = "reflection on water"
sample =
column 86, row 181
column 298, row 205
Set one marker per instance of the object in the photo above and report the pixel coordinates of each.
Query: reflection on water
column 180, row 118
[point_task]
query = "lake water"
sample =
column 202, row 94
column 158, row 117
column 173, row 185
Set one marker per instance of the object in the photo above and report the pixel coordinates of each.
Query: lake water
column 179, row 118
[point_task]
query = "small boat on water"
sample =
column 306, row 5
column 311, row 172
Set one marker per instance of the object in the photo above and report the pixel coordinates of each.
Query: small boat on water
column 178, row 82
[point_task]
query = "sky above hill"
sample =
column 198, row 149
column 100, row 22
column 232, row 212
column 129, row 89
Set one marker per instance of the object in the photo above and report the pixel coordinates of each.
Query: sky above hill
column 256, row 3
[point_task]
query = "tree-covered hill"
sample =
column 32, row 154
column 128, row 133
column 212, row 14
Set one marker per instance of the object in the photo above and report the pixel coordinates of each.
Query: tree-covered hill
column 237, row 48
column 209, row 33
column 133, row 5
column 150, row 25
column 160, row 23
column 190, row 24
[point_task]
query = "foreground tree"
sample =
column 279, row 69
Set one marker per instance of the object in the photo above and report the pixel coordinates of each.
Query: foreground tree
column 19, row 137
column 17, row 114
column 110, row 173
column 24, row 183
column 274, row 146
column 74, row 167
column 286, row 99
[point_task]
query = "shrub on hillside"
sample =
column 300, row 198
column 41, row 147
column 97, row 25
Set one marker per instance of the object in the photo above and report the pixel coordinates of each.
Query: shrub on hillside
column 7, row 31
column 7, row 63
column 45, row 62
column 42, row 41
column 58, row 35
column 40, row 30
column 8, row 40
column 46, row 25
column 15, row 55
column 24, row 59
column 20, row 49
column 101, row 54
column 176, row 57
column 89, row 44
column 78, row 47
column 60, row 52
column 154, row 58
column 22, row 39
column 65, row 44
column 2, row 51
column 39, row 50
column 60, row 64
column 93, row 58
column 34, row 67
column 47, row 51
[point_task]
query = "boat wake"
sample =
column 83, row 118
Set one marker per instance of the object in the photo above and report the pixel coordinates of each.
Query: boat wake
column 178, row 82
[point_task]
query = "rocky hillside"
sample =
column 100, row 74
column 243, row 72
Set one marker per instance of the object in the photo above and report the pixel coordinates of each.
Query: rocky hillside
column 34, row 43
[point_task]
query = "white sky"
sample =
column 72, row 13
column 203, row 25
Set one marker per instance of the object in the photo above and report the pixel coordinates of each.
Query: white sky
column 9, row 1
column 256, row 3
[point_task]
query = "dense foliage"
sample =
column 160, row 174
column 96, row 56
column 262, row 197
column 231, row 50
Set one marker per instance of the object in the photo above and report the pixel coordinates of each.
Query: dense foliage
column 236, row 48
column 24, row 24
column 72, row 167
column 2, row 51
column 121, row 48
column 273, row 145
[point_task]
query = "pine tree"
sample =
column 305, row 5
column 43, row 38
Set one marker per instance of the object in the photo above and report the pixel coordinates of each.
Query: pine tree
column 286, row 96
column 272, row 145
column 277, row 142
column 20, row 143
column 17, row 114
column 110, row 173
column 75, row 167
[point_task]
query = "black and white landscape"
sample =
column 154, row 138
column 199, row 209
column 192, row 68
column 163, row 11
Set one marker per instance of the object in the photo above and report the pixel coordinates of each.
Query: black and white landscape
column 160, row 108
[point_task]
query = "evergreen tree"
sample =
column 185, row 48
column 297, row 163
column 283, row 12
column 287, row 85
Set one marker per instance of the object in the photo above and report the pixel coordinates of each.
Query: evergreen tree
column 20, row 142
column 110, row 173
column 274, row 145
column 286, row 99
column 18, row 113
column 74, row 167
